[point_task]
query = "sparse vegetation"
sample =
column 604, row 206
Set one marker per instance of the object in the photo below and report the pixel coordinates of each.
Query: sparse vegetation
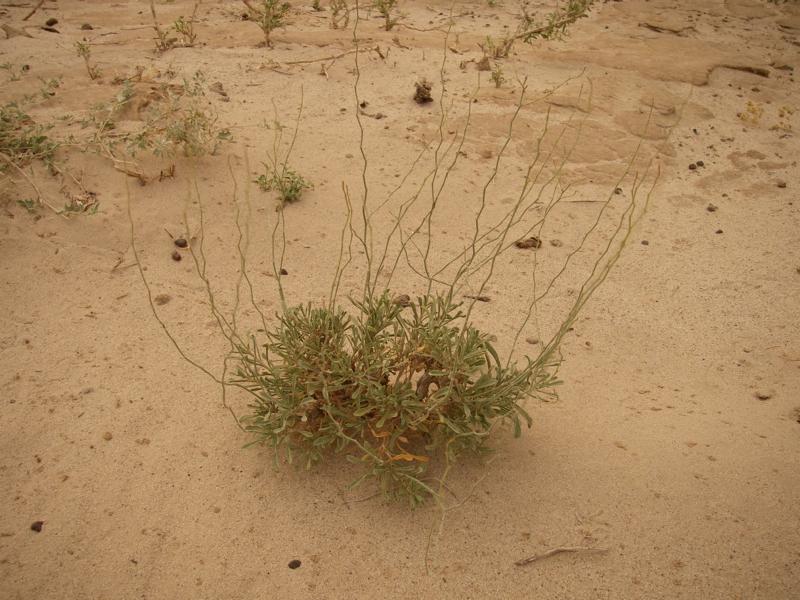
column 752, row 113
column 268, row 15
column 84, row 51
column 386, row 9
column 497, row 76
column 340, row 14
column 554, row 24
column 399, row 385
column 289, row 184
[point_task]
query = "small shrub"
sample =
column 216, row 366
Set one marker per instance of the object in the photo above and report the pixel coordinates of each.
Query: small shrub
column 340, row 14
column 84, row 51
column 394, row 387
column 268, row 15
column 497, row 76
column 22, row 140
column 289, row 184
column 385, row 8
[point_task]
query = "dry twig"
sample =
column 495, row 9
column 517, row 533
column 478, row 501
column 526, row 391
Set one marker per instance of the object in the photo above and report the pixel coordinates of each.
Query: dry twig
column 554, row 551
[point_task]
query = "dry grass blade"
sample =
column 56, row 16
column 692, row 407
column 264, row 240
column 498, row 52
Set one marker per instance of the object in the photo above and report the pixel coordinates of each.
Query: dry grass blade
column 554, row 551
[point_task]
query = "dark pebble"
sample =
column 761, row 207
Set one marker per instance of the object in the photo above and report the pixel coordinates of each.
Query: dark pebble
column 618, row 191
column 718, row 231
column 781, row 184
column 176, row 256
column 51, row 21
column 531, row 242
column 87, row 27
column 284, row 272
column 692, row 167
column 294, row 564
column 37, row 526
column 645, row 243
column 700, row 163
column 711, row 207
column 181, row 242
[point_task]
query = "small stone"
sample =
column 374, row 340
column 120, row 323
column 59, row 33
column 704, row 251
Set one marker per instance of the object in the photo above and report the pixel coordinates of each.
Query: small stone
column 294, row 564
column 51, row 21
column 618, row 191
column 107, row 436
column 162, row 299
column 531, row 242
column 87, row 27
column 176, row 256
column 422, row 95
column 556, row 243
column 37, row 526
column 700, row 163
column 781, row 184
column 284, row 272
column 763, row 394
column 692, row 167
column 403, row 300
column 645, row 243
column 532, row 340
column 718, row 231
column 181, row 242
column 711, row 207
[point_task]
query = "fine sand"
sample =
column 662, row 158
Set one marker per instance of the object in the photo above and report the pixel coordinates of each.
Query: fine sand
column 674, row 444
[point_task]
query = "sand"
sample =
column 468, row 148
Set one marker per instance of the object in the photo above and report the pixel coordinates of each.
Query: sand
column 658, row 449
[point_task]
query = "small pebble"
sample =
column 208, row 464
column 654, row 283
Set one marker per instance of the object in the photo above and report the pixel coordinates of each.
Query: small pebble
column 284, row 272
column 51, row 21
column 162, row 299
column 181, row 242
column 107, row 436
column 711, row 207
column 37, row 526
column 718, row 231
column 618, row 191
column 700, row 163
column 781, row 184
column 532, row 340
column 556, row 243
column 692, row 167
column 294, row 564
column 87, row 27
column 645, row 243
column 763, row 395
column 176, row 256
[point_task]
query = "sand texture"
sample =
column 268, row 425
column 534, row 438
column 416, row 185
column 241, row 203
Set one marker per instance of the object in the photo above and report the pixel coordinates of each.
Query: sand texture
column 674, row 444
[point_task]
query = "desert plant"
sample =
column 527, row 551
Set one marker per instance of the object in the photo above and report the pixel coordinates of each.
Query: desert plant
column 185, row 27
column 163, row 40
column 15, row 72
column 178, row 118
column 395, row 385
column 386, row 9
column 497, row 76
column 340, row 14
column 84, row 51
column 554, row 25
column 400, row 385
column 497, row 49
column 268, row 15
column 289, row 184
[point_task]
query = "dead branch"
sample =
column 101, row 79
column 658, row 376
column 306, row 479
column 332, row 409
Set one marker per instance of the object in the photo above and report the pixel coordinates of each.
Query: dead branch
column 33, row 11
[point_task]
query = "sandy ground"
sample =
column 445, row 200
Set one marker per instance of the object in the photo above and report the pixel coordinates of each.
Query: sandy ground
column 658, row 449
